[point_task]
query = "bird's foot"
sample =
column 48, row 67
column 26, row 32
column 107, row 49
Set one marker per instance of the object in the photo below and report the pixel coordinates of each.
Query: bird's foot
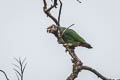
column 61, row 41
column 67, row 44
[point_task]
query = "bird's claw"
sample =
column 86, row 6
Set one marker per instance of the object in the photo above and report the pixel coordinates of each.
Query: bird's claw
column 67, row 44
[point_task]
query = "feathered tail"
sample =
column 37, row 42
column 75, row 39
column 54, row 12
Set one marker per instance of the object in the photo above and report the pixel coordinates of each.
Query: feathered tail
column 86, row 45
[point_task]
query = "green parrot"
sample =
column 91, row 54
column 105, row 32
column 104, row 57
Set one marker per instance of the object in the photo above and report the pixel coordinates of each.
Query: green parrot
column 69, row 36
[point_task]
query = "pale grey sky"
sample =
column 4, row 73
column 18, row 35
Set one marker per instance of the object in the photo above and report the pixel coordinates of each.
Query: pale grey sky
column 23, row 33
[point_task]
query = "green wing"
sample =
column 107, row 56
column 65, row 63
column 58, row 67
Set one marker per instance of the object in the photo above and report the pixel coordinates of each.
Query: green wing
column 71, row 36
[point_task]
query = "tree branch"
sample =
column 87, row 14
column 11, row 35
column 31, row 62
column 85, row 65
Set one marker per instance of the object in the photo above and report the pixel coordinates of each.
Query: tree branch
column 4, row 74
column 95, row 72
column 21, row 67
column 47, row 11
column 79, row 1
column 59, row 12
column 78, row 66
column 77, row 63
column 55, row 3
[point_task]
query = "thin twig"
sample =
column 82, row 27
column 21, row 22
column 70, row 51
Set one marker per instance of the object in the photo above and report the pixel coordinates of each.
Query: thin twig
column 55, row 3
column 17, row 76
column 23, row 61
column 52, row 6
column 4, row 74
column 67, row 29
column 59, row 13
column 16, row 66
column 24, row 67
column 95, row 72
column 79, row 1
column 21, row 67
column 77, row 63
column 17, row 72
column 47, row 11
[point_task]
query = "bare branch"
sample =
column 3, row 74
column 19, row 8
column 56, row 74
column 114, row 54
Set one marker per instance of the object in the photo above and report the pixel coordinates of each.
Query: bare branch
column 50, row 8
column 77, row 63
column 16, row 66
column 24, row 67
column 79, row 1
column 23, row 61
column 95, row 72
column 4, row 74
column 17, row 76
column 55, row 3
column 47, row 11
column 16, row 60
column 21, row 67
column 78, row 66
column 17, row 72
column 59, row 13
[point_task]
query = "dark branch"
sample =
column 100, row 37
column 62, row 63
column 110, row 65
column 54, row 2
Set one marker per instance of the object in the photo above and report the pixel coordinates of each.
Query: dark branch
column 17, row 76
column 78, row 66
column 4, row 74
column 20, row 68
column 47, row 11
column 77, row 63
column 79, row 1
column 55, row 3
column 59, row 12
column 95, row 72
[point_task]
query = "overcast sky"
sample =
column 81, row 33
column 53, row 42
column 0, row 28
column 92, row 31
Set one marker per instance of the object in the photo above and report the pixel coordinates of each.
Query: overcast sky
column 23, row 34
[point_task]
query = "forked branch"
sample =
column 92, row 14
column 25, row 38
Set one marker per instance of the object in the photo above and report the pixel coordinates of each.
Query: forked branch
column 77, row 63
column 47, row 11
column 78, row 66
column 20, row 68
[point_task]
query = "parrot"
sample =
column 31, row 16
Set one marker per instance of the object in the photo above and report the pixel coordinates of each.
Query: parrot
column 69, row 36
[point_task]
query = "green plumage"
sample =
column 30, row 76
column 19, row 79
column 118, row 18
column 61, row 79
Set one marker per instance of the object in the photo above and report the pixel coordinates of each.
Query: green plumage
column 71, row 36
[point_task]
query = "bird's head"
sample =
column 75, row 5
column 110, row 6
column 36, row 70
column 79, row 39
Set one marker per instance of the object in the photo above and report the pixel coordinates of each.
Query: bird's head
column 52, row 29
